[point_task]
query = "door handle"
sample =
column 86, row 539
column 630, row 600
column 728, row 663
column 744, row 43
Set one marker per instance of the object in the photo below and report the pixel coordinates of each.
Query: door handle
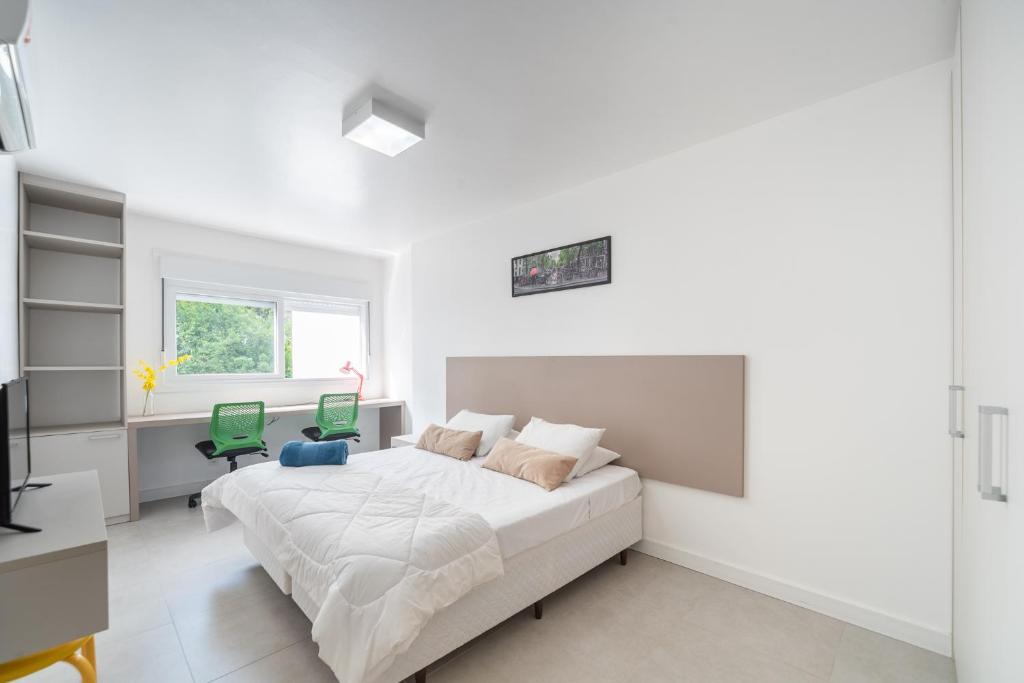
column 956, row 411
column 102, row 437
column 993, row 435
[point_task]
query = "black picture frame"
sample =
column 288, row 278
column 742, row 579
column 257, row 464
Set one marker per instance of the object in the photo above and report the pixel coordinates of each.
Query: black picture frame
column 520, row 287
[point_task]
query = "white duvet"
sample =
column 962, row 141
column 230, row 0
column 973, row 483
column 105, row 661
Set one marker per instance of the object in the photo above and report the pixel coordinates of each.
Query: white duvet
column 378, row 556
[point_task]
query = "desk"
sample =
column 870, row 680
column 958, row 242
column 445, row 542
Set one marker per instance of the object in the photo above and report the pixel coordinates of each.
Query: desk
column 391, row 422
column 53, row 583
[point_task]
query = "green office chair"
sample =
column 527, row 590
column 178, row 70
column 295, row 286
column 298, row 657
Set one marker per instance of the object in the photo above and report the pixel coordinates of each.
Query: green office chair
column 235, row 429
column 336, row 417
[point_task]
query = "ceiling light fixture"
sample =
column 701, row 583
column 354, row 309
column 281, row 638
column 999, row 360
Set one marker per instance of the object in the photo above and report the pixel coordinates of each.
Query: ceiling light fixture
column 382, row 128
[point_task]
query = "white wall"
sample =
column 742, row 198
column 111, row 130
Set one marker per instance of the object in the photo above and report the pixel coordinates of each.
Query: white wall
column 816, row 243
column 989, row 626
column 168, row 464
column 398, row 338
column 8, row 268
column 149, row 239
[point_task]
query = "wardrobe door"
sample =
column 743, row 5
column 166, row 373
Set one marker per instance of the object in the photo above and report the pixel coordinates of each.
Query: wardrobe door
column 989, row 589
column 957, row 389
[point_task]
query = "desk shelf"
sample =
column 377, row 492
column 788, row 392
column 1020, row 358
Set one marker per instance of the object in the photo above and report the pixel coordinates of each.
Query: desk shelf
column 390, row 422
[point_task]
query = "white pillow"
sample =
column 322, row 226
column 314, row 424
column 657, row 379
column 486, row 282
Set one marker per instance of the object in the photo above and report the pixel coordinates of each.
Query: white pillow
column 566, row 439
column 493, row 426
column 600, row 458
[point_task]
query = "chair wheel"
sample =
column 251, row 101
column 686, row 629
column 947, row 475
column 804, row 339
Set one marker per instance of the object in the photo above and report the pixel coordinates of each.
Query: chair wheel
column 192, row 502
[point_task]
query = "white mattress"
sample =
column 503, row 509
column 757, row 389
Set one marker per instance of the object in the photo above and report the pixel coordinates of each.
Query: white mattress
column 522, row 514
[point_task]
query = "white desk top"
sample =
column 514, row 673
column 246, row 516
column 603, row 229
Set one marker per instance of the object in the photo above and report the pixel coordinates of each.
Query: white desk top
column 54, row 582
column 166, row 419
column 70, row 514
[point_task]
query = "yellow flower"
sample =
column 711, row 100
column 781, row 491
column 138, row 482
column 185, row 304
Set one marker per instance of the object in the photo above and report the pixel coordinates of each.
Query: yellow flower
column 147, row 374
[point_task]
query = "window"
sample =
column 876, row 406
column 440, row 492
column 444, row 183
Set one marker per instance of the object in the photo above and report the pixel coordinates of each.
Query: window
column 319, row 339
column 224, row 336
column 241, row 333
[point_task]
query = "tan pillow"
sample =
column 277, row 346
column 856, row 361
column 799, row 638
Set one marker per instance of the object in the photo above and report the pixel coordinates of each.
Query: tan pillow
column 533, row 464
column 457, row 444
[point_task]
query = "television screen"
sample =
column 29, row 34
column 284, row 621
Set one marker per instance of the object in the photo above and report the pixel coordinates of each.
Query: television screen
column 14, row 432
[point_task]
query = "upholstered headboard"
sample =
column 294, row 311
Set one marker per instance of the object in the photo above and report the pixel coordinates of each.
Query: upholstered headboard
column 677, row 419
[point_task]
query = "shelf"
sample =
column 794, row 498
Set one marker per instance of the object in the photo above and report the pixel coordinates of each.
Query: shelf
column 75, row 428
column 83, row 306
column 71, row 368
column 72, row 245
column 72, row 197
column 71, row 297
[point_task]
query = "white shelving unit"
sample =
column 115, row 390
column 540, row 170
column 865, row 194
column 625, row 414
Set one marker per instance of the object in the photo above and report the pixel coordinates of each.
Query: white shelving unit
column 71, row 288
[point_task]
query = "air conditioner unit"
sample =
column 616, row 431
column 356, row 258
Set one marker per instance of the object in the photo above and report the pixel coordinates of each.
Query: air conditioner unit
column 15, row 120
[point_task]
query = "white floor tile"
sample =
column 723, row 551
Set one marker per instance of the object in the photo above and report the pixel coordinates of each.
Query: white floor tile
column 153, row 656
column 866, row 657
column 221, row 641
column 295, row 663
column 187, row 605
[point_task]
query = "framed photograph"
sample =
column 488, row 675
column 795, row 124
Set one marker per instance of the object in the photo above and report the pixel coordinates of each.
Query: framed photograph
column 583, row 264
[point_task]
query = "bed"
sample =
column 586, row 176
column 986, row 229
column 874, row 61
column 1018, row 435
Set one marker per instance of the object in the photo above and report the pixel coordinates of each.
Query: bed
column 490, row 545
column 544, row 539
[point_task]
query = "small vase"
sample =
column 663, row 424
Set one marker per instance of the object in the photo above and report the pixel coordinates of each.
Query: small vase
column 149, row 407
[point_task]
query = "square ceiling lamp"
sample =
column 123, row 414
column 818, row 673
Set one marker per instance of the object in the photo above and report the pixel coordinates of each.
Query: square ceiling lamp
column 382, row 128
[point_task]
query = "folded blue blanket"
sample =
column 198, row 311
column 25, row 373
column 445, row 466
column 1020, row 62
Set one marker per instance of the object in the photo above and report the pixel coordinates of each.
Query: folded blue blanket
column 303, row 453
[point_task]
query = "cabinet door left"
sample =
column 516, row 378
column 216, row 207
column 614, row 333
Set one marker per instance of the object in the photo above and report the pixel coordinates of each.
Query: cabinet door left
column 105, row 451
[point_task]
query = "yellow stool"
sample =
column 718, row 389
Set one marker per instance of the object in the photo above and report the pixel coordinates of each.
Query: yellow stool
column 68, row 652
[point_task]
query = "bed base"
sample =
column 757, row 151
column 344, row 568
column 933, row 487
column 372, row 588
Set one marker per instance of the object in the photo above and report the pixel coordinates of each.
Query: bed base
column 529, row 577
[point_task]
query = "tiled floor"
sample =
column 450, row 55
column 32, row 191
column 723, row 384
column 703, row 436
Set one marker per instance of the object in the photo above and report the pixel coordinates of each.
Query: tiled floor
column 190, row 606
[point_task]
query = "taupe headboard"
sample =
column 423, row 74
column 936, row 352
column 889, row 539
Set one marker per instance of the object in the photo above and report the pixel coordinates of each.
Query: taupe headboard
column 677, row 419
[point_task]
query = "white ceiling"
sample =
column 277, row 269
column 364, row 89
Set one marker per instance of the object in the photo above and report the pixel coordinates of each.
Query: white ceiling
column 228, row 113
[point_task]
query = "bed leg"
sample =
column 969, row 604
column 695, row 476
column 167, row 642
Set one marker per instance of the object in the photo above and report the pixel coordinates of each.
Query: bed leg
column 538, row 609
column 624, row 557
column 420, row 676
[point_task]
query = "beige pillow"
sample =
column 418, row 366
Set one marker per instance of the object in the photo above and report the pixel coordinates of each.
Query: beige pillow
column 457, row 444
column 533, row 464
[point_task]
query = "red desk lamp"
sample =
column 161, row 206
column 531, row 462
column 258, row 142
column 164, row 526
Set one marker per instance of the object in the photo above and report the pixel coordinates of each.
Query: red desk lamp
column 348, row 369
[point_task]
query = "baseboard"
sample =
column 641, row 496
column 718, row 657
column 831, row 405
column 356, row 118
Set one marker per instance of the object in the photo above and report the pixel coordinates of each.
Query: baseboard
column 172, row 491
column 837, row 608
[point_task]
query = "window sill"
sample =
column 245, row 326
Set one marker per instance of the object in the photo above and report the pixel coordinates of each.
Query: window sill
column 177, row 386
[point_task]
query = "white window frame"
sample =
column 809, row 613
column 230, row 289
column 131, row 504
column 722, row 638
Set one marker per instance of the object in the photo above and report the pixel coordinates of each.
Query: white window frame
column 281, row 302
column 330, row 305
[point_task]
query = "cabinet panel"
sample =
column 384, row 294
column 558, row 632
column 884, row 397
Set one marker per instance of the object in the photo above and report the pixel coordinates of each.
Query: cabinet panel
column 103, row 451
column 75, row 398
column 62, row 276
column 62, row 338
column 82, row 224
